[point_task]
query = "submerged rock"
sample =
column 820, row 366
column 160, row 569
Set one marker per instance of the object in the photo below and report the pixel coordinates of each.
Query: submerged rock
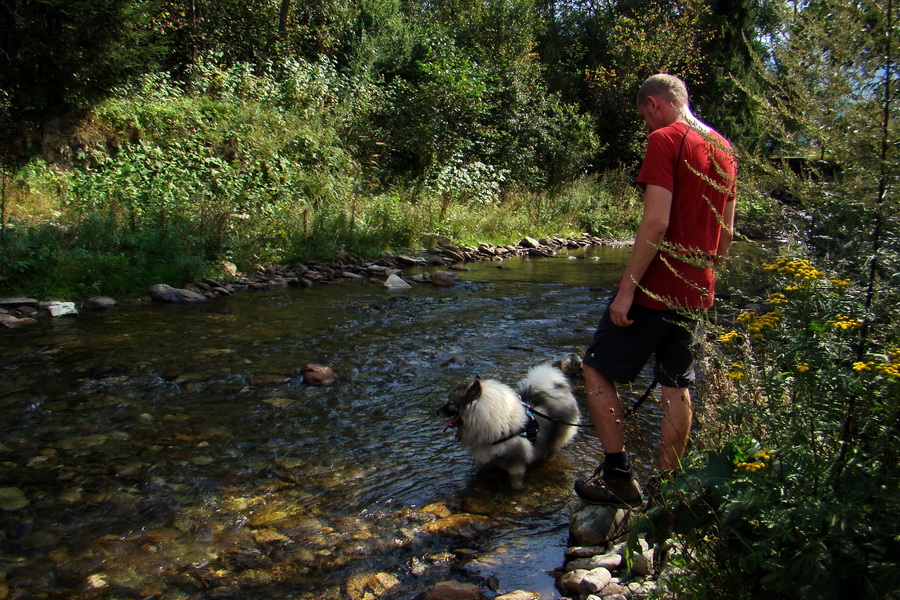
column 454, row 590
column 462, row 525
column 317, row 374
column 12, row 499
column 443, row 279
column 369, row 587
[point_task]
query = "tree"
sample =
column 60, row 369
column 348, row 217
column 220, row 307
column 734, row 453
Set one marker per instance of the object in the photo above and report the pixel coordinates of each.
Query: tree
column 604, row 50
column 731, row 46
column 62, row 55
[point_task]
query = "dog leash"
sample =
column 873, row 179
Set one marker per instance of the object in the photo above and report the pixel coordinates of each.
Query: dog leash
column 628, row 411
column 531, row 427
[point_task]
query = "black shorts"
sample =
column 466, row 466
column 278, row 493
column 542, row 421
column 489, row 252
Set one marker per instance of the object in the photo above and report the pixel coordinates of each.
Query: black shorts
column 620, row 353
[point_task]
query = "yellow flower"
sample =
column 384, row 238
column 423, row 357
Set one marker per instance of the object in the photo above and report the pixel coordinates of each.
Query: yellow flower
column 728, row 337
column 802, row 367
column 798, row 268
column 735, row 375
column 745, row 317
column 750, row 467
column 778, row 298
column 840, row 282
column 860, row 366
column 844, row 322
column 892, row 368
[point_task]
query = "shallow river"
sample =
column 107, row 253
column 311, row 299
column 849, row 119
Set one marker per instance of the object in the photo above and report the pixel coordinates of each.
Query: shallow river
column 172, row 452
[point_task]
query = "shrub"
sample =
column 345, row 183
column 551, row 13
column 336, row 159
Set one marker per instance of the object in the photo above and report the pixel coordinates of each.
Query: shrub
column 791, row 492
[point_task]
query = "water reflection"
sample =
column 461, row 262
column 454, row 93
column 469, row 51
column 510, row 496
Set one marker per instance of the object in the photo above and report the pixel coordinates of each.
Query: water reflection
column 172, row 452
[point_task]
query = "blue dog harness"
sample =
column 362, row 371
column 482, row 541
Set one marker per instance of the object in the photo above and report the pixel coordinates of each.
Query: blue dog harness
column 530, row 430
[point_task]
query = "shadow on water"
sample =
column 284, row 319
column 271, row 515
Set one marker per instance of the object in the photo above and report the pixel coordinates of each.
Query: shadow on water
column 173, row 452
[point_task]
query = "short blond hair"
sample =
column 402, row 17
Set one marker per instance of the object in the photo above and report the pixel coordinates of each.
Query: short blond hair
column 666, row 86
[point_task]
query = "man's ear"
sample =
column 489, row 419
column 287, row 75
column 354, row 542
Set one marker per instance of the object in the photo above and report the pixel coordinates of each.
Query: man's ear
column 653, row 103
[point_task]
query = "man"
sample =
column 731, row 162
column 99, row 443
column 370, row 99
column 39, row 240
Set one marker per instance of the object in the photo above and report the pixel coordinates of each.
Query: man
column 688, row 181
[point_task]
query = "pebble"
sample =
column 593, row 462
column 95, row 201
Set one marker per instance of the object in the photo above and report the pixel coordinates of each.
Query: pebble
column 13, row 499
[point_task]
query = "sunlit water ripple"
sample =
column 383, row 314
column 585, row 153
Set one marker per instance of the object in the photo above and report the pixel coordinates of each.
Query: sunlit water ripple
column 157, row 465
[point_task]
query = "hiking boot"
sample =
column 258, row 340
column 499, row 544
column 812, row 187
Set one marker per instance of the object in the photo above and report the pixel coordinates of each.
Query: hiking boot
column 619, row 492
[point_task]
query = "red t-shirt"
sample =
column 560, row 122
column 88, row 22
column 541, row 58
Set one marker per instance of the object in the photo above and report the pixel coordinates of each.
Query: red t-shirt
column 703, row 182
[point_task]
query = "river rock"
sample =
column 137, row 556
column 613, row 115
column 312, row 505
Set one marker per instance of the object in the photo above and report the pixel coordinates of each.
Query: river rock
column 99, row 303
column 443, row 279
column 229, row 269
column 59, row 309
column 457, row 360
column 570, row 364
column 519, row 595
column 454, row 590
column 410, row 261
column 166, row 293
column 461, row 525
column 14, row 302
column 641, row 565
column 616, row 591
column 268, row 380
column 582, row 582
column 369, row 587
column 395, row 282
column 317, row 374
column 609, row 561
column 530, row 243
column 438, row 509
column 596, row 525
column 7, row 320
column 12, row 499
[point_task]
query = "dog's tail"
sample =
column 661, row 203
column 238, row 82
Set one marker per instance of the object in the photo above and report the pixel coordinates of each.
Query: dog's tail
column 547, row 389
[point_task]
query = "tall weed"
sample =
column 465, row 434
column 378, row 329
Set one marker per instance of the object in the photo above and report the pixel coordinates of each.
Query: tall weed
column 791, row 490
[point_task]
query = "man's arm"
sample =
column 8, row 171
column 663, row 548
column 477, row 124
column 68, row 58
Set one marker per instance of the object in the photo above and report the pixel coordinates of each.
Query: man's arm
column 727, row 231
column 654, row 223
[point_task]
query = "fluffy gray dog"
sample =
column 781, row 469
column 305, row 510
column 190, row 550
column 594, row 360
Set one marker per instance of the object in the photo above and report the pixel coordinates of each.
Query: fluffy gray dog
column 498, row 426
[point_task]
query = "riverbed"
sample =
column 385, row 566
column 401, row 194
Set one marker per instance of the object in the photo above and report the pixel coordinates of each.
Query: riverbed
column 173, row 451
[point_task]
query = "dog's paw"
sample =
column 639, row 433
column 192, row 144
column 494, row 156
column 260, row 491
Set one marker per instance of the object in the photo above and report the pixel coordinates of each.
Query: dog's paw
column 517, row 479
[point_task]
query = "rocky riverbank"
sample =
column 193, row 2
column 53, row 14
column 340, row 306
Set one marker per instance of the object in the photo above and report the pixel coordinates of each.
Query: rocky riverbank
column 595, row 567
column 387, row 271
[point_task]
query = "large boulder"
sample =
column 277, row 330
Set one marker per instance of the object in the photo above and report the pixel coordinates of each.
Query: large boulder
column 597, row 525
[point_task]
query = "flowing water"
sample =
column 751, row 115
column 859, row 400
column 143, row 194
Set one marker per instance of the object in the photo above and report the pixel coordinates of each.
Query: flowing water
column 172, row 451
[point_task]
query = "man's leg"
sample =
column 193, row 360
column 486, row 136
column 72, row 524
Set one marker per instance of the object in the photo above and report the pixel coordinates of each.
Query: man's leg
column 613, row 484
column 676, row 426
column 605, row 408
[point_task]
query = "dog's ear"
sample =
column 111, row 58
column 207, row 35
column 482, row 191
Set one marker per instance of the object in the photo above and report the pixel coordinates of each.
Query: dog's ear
column 474, row 390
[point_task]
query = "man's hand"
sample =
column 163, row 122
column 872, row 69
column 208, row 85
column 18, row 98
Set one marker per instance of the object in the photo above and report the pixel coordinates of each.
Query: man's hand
column 618, row 310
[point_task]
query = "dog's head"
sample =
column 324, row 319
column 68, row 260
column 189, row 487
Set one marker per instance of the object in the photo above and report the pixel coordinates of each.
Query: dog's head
column 460, row 398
